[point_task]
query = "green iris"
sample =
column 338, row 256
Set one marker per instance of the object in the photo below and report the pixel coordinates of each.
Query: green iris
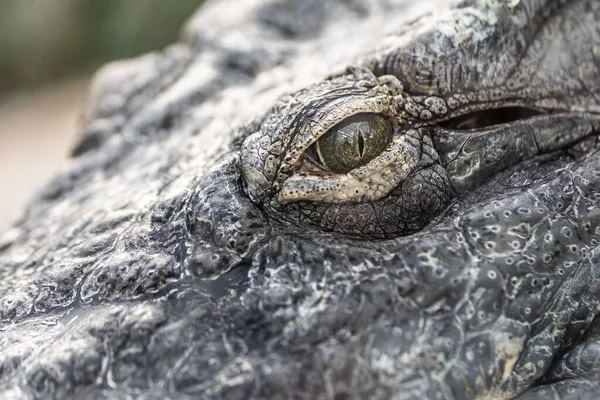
column 352, row 143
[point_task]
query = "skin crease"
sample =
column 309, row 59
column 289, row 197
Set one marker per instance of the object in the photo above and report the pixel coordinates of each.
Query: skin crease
column 178, row 255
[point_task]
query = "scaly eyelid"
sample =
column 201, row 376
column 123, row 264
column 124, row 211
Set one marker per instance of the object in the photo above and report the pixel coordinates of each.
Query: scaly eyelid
column 370, row 182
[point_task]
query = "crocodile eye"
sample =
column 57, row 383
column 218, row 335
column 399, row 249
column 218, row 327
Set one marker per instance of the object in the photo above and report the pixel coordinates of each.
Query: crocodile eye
column 351, row 143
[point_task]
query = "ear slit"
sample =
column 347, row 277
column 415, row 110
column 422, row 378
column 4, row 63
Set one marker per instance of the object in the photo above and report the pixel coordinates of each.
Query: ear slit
column 488, row 118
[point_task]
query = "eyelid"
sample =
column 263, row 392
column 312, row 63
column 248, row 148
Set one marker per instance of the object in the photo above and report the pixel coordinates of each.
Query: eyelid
column 369, row 182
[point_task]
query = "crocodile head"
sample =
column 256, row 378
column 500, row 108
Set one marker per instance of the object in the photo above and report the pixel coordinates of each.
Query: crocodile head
column 420, row 224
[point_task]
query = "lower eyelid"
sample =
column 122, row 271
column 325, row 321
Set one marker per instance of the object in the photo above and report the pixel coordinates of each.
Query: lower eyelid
column 370, row 182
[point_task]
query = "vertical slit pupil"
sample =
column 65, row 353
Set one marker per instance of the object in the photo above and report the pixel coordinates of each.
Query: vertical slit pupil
column 361, row 144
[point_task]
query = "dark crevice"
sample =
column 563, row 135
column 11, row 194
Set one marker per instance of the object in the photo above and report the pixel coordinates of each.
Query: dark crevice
column 487, row 118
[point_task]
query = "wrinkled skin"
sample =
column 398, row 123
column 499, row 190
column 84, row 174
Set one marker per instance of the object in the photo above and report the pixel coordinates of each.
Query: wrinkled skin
column 166, row 262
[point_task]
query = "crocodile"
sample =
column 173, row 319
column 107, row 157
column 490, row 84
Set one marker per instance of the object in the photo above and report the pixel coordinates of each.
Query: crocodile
column 323, row 199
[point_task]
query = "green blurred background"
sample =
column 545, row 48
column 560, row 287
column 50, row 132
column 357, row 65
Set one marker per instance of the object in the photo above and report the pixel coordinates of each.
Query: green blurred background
column 49, row 50
column 45, row 40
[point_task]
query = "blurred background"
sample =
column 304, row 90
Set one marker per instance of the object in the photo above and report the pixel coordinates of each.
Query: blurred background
column 48, row 51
